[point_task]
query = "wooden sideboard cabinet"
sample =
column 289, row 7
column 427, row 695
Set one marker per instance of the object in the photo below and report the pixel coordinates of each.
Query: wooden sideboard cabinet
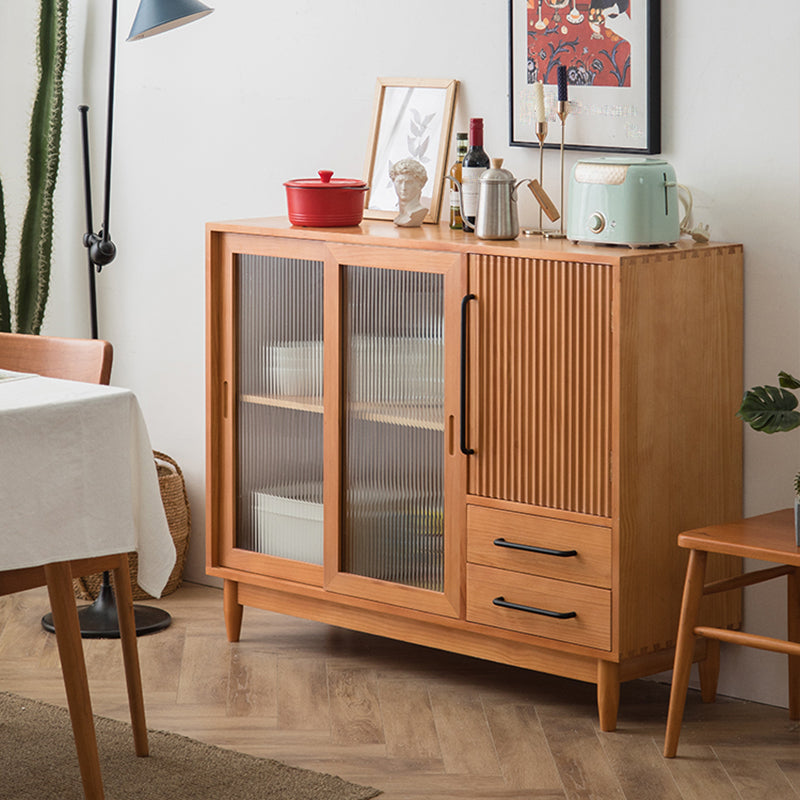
column 482, row 447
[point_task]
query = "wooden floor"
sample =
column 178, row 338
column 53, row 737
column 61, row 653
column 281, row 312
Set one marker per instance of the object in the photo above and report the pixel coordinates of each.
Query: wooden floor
column 414, row 722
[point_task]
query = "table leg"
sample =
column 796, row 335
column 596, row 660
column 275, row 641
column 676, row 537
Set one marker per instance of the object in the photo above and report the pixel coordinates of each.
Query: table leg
column 130, row 655
column 684, row 649
column 73, row 667
column 709, row 672
column 793, row 603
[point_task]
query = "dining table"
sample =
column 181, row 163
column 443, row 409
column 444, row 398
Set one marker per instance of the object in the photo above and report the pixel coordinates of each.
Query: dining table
column 79, row 491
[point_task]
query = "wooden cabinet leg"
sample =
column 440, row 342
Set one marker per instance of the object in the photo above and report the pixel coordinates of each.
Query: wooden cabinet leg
column 73, row 667
column 793, row 634
column 232, row 610
column 709, row 672
column 608, row 694
column 684, row 649
column 130, row 655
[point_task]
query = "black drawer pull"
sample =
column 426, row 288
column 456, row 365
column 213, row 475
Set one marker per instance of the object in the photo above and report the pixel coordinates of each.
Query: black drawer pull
column 529, row 548
column 503, row 603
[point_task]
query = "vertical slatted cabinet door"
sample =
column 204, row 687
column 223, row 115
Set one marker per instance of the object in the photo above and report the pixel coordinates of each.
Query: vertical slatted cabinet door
column 398, row 315
column 278, row 430
column 540, row 387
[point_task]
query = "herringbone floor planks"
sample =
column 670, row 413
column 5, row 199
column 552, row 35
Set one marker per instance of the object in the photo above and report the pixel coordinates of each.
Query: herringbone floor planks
column 416, row 723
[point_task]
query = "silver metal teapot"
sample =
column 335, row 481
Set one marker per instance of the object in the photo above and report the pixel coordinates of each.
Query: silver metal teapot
column 497, row 216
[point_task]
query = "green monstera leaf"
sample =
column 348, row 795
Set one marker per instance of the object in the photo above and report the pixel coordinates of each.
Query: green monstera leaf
column 771, row 409
column 788, row 381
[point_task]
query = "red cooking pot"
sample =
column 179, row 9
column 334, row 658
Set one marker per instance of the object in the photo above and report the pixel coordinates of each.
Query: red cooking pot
column 325, row 202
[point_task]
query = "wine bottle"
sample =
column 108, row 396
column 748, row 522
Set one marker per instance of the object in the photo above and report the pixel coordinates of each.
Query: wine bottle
column 472, row 167
column 462, row 145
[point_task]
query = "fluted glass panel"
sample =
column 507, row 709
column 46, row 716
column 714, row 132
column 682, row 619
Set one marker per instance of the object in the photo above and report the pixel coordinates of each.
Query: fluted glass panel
column 280, row 407
column 394, row 426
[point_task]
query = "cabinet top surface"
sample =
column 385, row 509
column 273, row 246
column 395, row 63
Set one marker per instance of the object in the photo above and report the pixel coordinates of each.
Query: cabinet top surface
column 441, row 237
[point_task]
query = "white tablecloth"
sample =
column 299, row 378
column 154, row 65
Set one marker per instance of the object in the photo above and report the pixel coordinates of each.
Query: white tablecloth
column 77, row 478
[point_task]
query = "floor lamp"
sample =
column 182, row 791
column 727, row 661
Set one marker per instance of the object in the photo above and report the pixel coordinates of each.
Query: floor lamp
column 99, row 620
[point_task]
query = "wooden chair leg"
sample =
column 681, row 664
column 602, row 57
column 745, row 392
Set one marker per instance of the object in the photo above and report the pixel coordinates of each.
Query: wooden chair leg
column 793, row 605
column 73, row 667
column 130, row 655
column 684, row 648
column 608, row 694
column 232, row 610
column 709, row 672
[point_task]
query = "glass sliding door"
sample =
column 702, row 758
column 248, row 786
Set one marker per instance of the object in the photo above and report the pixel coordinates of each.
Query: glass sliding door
column 279, row 409
column 394, row 423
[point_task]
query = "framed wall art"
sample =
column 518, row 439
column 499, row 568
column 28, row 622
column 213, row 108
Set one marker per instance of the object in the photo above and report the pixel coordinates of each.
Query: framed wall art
column 611, row 51
column 412, row 118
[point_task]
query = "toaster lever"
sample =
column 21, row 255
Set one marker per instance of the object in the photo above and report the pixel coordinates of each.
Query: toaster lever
column 667, row 185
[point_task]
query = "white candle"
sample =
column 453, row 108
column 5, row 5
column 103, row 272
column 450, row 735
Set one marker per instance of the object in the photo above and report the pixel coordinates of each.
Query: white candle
column 538, row 100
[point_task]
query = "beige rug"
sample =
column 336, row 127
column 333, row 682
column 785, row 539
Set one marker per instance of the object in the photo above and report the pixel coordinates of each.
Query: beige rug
column 38, row 762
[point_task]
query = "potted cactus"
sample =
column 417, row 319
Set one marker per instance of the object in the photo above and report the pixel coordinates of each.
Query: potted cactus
column 36, row 239
column 772, row 409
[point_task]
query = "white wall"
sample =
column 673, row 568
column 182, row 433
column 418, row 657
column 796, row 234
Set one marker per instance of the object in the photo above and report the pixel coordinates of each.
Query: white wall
column 213, row 117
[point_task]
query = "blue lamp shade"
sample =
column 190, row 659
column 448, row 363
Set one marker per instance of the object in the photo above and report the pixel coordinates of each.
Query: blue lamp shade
column 157, row 16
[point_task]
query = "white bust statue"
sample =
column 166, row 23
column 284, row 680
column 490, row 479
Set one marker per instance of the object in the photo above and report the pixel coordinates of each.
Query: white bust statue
column 409, row 176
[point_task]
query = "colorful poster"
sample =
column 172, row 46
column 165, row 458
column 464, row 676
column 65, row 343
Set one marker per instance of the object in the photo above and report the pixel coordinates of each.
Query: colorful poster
column 590, row 41
column 610, row 49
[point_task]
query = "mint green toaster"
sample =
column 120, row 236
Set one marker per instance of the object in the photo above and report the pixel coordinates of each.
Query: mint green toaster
column 626, row 201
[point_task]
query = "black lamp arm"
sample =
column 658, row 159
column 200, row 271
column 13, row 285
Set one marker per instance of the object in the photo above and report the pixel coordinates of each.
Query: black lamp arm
column 112, row 61
column 102, row 250
column 89, row 238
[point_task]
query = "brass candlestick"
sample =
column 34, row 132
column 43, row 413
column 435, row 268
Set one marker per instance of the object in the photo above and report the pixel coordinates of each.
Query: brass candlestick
column 563, row 112
column 541, row 135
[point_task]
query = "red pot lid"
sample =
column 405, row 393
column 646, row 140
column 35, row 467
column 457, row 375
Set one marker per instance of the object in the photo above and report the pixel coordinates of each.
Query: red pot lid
column 327, row 181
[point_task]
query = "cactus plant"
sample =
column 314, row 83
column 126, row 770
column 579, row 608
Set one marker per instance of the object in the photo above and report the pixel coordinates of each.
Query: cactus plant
column 5, row 306
column 44, row 149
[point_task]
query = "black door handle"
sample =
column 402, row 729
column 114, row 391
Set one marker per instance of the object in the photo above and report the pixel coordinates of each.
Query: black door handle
column 467, row 451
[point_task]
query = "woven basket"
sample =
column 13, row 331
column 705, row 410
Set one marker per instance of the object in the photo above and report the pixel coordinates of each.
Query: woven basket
column 179, row 520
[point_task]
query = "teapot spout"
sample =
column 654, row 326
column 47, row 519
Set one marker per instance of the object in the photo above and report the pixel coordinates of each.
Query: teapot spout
column 468, row 226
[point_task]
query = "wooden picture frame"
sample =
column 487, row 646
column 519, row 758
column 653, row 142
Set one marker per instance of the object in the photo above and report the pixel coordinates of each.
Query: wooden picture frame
column 612, row 52
column 412, row 118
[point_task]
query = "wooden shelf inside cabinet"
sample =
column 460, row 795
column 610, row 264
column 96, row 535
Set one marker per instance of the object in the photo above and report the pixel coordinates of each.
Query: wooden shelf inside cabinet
column 389, row 413
column 313, row 405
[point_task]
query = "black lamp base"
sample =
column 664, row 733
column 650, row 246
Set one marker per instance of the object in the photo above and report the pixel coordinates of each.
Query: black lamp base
column 100, row 621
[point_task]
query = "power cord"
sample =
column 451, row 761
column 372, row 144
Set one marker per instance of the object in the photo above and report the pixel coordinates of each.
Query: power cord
column 700, row 232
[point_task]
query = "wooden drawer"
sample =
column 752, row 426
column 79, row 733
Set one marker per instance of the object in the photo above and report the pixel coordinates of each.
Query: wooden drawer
column 504, row 538
column 590, row 625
